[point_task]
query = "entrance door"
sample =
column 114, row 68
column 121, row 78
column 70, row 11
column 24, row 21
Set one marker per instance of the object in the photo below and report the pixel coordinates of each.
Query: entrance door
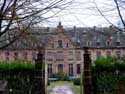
column 60, row 67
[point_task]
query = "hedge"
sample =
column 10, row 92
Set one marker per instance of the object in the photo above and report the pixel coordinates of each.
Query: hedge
column 18, row 64
column 19, row 76
column 76, row 81
column 109, row 75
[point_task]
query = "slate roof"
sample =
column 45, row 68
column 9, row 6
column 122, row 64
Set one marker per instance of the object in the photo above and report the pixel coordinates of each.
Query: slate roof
column 83, row 35
column 39, row 37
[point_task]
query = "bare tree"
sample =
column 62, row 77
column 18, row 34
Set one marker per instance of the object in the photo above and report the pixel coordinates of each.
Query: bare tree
column 112, row 9
column 16, row 16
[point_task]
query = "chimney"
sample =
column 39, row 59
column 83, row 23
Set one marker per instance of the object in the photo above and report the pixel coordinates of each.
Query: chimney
column 74, row 28
column 59, row 25
column 48, row 29
column 94, row 28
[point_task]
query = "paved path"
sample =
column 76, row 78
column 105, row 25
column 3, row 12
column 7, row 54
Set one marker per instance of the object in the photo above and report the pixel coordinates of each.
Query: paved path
column 62, row 90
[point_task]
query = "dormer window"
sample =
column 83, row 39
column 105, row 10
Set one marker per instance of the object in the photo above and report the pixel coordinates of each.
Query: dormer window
column 98, row 43
column 118, row 39
column 60, row 45
column 108, row 43
column 118, row 43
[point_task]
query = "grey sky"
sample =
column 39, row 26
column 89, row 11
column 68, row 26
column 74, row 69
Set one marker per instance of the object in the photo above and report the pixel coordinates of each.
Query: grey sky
column 83, row 13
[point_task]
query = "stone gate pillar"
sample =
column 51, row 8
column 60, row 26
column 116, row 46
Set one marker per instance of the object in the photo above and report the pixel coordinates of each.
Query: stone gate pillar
column 87, row 77
column 39, row 85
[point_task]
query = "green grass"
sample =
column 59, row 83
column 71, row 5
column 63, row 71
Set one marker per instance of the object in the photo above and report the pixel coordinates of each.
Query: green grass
column 76, row 89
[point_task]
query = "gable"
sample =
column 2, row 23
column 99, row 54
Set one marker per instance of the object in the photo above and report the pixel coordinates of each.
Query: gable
column 56, row 38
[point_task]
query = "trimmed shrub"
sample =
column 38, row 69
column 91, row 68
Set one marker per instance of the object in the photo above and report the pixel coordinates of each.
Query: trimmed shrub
column 76, row 81
column 61, row 76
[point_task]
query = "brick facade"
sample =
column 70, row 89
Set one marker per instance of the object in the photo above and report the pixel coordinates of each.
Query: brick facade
column 61, row 54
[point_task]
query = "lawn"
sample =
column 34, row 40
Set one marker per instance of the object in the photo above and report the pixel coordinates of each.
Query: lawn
column 76, row 89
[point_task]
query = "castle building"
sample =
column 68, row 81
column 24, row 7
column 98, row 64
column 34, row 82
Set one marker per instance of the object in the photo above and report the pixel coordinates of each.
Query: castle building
column 64, row 47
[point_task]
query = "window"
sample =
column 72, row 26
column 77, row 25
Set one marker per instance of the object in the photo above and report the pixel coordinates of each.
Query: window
column 49, row 69
column 67, row 45
column 52, row 45
column 108, row 43
column 49, row 56
column 25, row 54
column 70, row 69
column 34, row 55
column 78, row 56
column 118, row 54
column 60, row 45
column 118, row 43
column 98, row 54
column 60, row 67
column 88, row 43
column 97, row 43
column 59, row 56
column 16, row 55
column 78, row 68
column 108, row 53
column 7, row 56
column 70, row 55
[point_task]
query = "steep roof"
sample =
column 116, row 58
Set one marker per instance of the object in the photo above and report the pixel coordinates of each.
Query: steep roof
column 82, row 35
column 39, row 36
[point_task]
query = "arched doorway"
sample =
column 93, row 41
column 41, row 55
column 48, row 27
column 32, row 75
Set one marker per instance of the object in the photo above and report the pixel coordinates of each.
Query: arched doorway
column 60, row 67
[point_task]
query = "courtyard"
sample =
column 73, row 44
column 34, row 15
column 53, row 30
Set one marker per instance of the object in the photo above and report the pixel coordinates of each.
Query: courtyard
column 63, row 87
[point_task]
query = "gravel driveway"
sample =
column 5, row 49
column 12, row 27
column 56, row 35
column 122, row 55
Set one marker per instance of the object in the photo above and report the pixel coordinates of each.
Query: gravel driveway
column 62, row 90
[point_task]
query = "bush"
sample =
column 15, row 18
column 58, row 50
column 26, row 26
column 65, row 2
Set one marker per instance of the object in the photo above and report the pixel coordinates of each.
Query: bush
column 103, row 63
column 105, row 75
column 61, row 76
column 109, row 64
column 48, row 83
column 76, row 81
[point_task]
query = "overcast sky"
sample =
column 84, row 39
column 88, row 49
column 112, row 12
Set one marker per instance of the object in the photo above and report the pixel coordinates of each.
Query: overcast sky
column 82, row 13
